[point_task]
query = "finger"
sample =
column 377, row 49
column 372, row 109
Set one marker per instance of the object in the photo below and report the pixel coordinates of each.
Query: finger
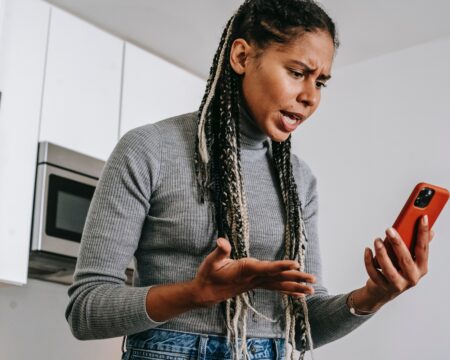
column 389, row 270
column 288, row 286
column 254, row 267
column 410, row 270
column 294, row 294
column 375, row 262
column 374, row 258
column 293, row 275
column 376, row 276
column 421, row 248
column 221, row 252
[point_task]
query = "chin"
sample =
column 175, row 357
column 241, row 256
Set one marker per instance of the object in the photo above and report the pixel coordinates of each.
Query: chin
column 275, row 133
column 279, row 137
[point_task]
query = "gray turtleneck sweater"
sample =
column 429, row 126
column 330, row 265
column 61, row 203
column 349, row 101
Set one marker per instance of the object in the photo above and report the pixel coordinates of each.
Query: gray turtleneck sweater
column 146, row 205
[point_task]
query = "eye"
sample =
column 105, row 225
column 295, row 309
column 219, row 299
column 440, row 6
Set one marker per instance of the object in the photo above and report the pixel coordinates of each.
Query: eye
column 296, row 74
column 320, row 85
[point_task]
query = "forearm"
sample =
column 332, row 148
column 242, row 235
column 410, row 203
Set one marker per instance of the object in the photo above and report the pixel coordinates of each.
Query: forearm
column 331, row 319
column 99, row 310
column 105, row 310
column 164, row 302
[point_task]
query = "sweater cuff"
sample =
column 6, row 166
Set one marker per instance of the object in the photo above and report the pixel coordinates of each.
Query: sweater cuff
column 352, row 314
column 151, row 323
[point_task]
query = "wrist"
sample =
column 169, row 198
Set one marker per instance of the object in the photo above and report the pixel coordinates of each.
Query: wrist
column 167, row 301
column 362, row 302
column 195, row 294
column 201, row 296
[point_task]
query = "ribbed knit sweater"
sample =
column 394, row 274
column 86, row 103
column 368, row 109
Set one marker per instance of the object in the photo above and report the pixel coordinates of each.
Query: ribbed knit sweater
column 146, row 205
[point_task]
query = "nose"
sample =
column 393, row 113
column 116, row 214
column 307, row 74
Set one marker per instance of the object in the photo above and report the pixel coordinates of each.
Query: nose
column 308, row 94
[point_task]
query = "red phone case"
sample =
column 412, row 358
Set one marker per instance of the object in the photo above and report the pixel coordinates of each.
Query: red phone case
column 407, row 221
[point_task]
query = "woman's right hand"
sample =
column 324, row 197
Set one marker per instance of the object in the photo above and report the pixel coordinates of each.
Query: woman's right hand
column 219, row 278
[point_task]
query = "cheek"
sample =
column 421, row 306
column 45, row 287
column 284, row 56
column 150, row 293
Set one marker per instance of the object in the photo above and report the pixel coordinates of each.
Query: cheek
column 267, row 93
column 273, row 85
column 284, row 91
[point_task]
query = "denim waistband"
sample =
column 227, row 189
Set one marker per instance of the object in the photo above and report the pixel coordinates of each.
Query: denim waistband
column 201, row 346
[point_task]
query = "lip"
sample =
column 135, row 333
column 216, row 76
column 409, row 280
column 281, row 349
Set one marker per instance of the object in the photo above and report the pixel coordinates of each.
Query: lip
column 287, row 126
column 299, row 116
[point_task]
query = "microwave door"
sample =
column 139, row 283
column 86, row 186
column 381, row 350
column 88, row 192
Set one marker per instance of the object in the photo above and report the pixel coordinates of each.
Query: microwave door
column 61, row 206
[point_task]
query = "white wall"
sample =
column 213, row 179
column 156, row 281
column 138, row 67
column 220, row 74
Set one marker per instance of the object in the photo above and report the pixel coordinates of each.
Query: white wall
column 383, row 126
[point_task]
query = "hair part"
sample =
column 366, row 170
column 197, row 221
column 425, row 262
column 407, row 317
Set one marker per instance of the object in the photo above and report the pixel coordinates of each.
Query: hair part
column 263, row 22
column 218, row 161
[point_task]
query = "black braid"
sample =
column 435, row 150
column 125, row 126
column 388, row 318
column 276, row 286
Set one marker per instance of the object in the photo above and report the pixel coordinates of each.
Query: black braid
column 212, row 113
column 283, row 167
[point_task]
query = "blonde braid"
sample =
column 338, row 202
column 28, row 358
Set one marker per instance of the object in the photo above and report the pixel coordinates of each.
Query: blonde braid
column 203, row 151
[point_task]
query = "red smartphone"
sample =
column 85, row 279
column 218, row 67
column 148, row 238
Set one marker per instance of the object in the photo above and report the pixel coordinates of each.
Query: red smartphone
column 425, row 199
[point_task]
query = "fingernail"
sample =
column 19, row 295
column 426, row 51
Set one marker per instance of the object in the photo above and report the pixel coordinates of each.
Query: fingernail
column 366, row 252
column 378, row 244
column 391, row 232
column 425, row 220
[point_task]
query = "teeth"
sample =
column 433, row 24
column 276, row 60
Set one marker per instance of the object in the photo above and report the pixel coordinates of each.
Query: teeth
column 290, row 120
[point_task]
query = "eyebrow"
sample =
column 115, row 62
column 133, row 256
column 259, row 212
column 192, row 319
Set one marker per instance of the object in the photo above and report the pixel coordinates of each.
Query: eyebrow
column 310, row 70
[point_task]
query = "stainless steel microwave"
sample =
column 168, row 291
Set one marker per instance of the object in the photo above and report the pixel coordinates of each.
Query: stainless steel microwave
column 65, row 185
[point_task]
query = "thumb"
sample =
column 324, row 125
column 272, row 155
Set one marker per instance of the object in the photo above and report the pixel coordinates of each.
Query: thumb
column 222, row 251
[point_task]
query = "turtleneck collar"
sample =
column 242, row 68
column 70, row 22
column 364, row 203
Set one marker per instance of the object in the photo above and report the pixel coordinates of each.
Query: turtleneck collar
column 252, row 137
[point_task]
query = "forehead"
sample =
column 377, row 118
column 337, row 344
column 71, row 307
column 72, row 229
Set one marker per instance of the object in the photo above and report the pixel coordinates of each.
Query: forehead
column 315, row 49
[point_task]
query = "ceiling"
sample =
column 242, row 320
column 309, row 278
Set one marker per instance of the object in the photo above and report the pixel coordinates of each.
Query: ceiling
column 187, row 33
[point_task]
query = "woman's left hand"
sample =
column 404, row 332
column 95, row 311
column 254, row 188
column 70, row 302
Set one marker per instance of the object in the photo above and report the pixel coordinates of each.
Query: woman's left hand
column 389, row 282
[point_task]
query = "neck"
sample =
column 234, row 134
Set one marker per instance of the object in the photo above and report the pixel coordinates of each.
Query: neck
column 251, row 134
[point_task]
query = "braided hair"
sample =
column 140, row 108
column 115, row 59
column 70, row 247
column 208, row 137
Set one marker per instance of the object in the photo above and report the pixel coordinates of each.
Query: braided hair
column 217, row 155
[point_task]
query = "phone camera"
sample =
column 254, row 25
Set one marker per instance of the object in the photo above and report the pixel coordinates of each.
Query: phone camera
column 424, row 197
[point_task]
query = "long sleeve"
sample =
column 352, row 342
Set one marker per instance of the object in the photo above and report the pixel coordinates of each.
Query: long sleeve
column 101, row 305
column 329, row 315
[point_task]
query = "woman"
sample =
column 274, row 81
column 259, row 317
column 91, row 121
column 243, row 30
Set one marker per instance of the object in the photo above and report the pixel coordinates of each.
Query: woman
column 222, row 219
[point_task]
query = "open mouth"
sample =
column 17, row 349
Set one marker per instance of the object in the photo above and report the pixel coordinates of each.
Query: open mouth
column 289, row 121
column 291, row 118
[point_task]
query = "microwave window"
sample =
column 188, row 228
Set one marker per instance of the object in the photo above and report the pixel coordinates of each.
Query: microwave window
column 67, row 207
column 71, row 211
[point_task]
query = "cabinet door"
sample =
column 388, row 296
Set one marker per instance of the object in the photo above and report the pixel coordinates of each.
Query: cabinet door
column 22, row 61
column 154, row 89
column 81, row 100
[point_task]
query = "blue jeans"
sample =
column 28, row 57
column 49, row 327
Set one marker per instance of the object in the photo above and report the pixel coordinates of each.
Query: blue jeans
column 164, row 344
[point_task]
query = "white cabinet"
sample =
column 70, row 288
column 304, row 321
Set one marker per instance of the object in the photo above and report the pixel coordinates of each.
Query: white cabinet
column 68, row 82
column 2, row 30
column 60, row 80
column 81, row 100
column 154, row 89
column 22, row 61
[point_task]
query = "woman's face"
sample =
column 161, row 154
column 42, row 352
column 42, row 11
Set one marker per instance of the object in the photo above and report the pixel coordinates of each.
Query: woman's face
column 282, row 85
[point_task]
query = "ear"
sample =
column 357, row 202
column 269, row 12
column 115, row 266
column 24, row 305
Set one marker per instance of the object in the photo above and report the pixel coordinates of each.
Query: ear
column 239, row 55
